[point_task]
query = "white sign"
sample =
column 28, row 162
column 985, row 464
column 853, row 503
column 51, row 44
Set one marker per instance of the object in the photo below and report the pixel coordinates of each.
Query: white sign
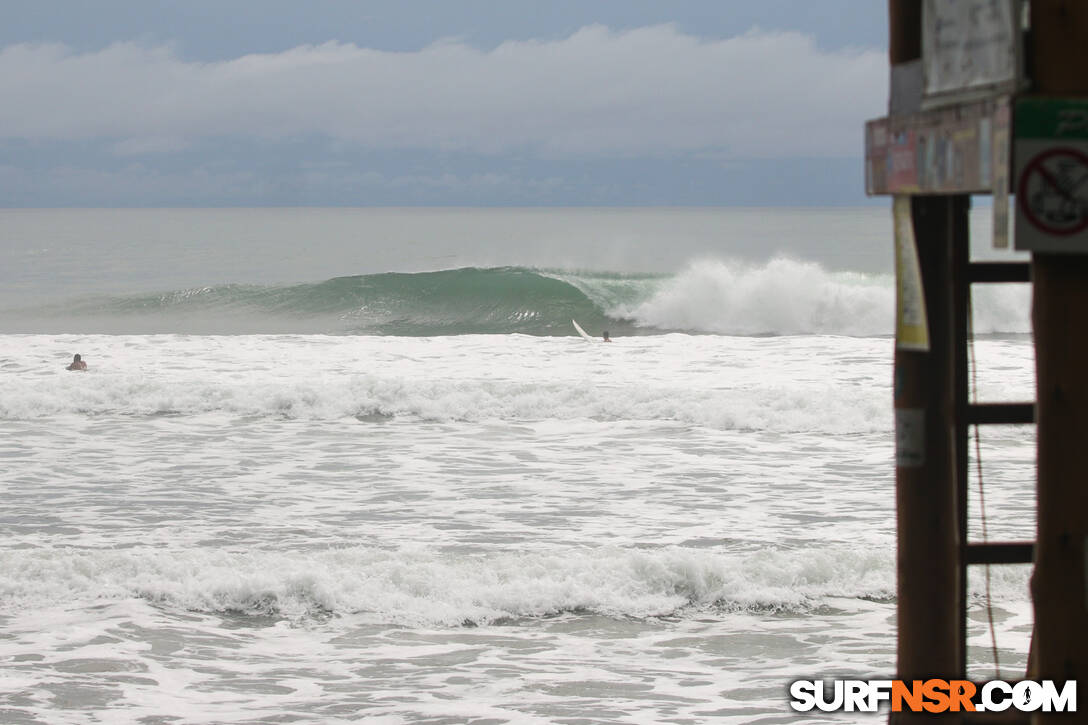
column 969, row 45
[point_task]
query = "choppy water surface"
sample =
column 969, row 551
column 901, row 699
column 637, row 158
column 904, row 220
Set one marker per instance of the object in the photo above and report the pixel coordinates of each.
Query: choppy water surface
column 300, row 484
column 503, row 528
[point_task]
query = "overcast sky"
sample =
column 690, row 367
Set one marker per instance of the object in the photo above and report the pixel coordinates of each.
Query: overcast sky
column 443, row 102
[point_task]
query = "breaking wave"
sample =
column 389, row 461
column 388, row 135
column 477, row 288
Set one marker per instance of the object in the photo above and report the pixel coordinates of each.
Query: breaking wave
column 422, row 586
column 428, row 587
column 839, row 410
column 782, row 296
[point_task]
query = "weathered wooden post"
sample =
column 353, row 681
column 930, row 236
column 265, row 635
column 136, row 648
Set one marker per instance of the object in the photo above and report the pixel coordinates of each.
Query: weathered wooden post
column 956, row 65
column 1051, row 155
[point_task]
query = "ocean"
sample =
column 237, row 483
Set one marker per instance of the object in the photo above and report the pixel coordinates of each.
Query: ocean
column 355, row 465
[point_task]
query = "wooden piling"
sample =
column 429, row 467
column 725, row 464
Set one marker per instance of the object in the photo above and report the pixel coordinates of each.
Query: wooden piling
column 927, row 527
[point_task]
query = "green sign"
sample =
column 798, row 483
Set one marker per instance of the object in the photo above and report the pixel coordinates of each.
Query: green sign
column 1050, row 156
column 1052, row 118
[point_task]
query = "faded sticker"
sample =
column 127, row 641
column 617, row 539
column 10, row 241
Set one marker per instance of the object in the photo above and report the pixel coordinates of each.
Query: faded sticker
column 911, row 330
column 910, row 437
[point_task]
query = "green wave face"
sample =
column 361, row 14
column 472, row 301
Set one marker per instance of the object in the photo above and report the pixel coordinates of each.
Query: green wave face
column 461, row 301
column 448, row 302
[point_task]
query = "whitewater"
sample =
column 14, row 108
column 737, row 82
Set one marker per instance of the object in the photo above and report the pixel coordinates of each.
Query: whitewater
column 392, row 485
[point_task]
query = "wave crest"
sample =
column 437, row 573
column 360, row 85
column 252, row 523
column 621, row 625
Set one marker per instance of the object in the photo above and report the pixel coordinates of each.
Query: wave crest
column 779, row 297
column 423, row 587
column 783, row 297
column 804, row 408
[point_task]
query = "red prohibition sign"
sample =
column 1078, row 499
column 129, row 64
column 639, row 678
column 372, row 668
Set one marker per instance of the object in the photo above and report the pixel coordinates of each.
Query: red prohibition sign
column 1049, row 198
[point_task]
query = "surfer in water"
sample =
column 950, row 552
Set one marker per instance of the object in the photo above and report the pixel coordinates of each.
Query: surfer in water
column 77, row 364
column 606, row 337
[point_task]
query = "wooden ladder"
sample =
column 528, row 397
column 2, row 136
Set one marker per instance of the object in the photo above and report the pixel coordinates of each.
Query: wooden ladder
column 966, row 273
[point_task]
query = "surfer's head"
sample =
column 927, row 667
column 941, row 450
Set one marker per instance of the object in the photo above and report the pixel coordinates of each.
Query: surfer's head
column 606, row 337
column 77, row 358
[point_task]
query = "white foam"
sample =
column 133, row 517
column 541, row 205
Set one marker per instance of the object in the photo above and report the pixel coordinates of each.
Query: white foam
column 781, row 408
column 790, row 297
column 1001, row 308
column 784, row 384
column 422, row 586
column 720, row 383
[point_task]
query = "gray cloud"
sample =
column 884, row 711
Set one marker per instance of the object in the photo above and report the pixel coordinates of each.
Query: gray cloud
column 654, row 91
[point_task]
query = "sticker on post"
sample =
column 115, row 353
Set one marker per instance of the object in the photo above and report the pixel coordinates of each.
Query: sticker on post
column 911, row 328
column 910, row 437
column 999, row 162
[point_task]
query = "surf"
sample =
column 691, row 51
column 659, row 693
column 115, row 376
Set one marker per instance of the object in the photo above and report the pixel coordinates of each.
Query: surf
column 779, row 297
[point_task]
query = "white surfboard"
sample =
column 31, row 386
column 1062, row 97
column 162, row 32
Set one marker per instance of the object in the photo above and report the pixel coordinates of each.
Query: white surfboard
column 582, row 332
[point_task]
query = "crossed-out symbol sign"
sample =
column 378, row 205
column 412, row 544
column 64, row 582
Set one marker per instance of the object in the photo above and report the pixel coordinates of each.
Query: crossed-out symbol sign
column 1052, row 192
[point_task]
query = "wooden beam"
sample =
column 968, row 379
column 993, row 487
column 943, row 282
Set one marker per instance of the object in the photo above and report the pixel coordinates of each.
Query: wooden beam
column 905, row 30
column 927, row 527
column 1059, row 586
column 1059, row 48
column 1058, row 59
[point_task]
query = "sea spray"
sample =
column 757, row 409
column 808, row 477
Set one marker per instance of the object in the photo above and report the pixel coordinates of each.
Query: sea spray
column 781, row 297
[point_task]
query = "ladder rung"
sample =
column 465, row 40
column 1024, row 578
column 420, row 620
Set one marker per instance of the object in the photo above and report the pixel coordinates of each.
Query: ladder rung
column 1005, row 552
column 999, row 272
column 1000, row 413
